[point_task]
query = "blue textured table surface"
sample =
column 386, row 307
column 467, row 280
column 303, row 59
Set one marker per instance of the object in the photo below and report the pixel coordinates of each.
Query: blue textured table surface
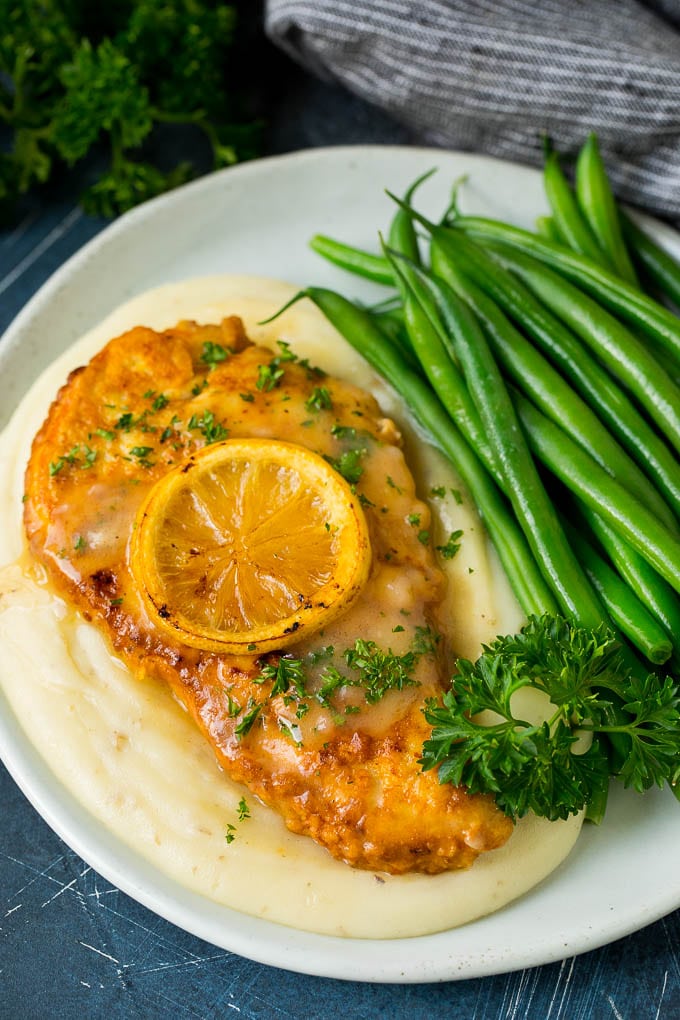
column 73, row 946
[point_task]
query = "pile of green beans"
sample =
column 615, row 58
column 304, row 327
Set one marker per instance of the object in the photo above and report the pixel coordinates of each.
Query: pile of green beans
column 546, row 366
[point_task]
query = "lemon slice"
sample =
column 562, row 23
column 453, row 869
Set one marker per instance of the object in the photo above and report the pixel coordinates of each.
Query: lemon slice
column 248, row 546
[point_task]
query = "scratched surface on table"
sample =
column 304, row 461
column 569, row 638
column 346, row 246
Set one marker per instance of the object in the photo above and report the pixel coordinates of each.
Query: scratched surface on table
column 72, row 946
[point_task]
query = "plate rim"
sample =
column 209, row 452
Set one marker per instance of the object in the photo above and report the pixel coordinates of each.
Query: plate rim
column 244, row 939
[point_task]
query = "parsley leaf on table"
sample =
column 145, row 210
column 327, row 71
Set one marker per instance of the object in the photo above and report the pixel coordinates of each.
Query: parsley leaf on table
column 73, row 76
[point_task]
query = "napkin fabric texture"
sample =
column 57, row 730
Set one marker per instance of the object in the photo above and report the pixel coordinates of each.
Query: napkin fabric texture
column 495, row 76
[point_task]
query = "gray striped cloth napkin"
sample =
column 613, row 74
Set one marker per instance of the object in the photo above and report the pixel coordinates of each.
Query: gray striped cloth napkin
column 494, row 76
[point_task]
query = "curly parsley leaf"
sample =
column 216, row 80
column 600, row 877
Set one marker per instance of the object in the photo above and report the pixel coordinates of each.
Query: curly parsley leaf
column 72, row 79
column 534, row 766
column 102, row 93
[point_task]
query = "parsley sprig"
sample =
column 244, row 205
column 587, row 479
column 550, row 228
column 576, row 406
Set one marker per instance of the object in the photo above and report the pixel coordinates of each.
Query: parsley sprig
column 74, row 75
column 532, row 766
column 375, row 669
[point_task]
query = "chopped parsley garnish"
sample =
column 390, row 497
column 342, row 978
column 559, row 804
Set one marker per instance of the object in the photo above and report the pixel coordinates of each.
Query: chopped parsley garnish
column 452, row 545
column 414, row 519
column 243, row 810
column 246, row 724
column 213, row 353
column 106, row 434
column 287, row 673
column 320, row 654
column 331, row 681
column 369, row 668
column 125, row 422
column 380, row 671
column 438, row 491
column 142, row 455
column 233, row 707
column 344, row 432
column 268, row 376
column 211, row 430
column 230, row 834
column 348, row 464
column 74, row 456
column 319, row 400
column 160, row 402
column 79, row 543
column 424, row 536
column 311, row 371
column 248, row 397
column 89, row 457
column 375, row 670
column 286, row 353
column 425, row 641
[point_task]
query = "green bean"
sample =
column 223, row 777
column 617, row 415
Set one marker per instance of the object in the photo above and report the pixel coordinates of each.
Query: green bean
column 533, row 594
column 529, row 370
column 624, row 607
column 366, row 264
column 446, row 380
column 658, row 264
column 598, row 205
column 436, row 360
column 392, row 325
column 534, row 374
column 626, row 357
column 402, row 235
column 598, row 490
column 570, row 224
column 642, row 578
column 671, row 366
column 546, row 227
column 620, row 297
column 594, row 384
column 354, row 260
column 527, row 367
column 522, row 485
column 653, row 591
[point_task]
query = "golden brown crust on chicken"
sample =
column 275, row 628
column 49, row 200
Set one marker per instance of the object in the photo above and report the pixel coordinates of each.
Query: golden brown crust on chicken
column 337, row 768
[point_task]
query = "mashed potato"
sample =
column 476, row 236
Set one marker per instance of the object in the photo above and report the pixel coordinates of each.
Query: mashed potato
column 131, row 755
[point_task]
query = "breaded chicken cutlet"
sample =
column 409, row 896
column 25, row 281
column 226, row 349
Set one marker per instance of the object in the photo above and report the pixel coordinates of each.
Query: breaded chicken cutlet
column 345, row 771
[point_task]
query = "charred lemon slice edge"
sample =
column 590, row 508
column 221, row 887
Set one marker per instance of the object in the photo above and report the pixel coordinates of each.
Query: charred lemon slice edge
column 249, row 546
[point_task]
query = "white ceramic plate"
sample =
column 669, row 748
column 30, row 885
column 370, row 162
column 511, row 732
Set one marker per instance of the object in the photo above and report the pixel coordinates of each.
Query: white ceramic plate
column 257, row 219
